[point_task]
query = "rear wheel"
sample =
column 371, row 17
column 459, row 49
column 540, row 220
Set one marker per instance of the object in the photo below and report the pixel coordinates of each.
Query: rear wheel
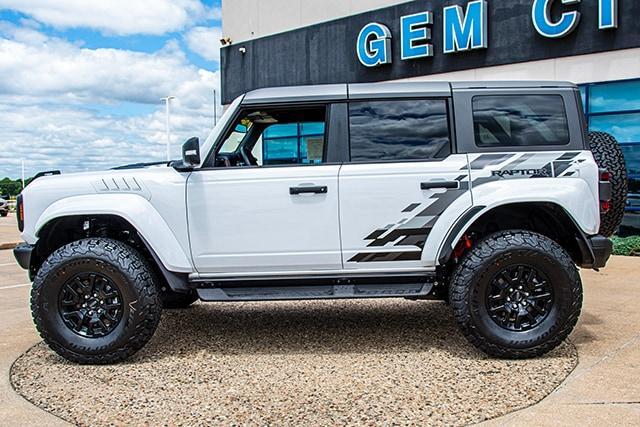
column 517, row 294
column 608, row 155
column 94, row 301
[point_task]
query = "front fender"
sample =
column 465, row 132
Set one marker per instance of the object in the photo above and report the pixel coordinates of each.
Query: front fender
column 573, row 195
column 135, row 209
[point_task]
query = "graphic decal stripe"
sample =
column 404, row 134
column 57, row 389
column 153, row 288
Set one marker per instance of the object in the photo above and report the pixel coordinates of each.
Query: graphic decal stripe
column 386, row 256
column 485, row 168
column 489, row 160
column 411, row 207
column 410, row 235
column 396, row 234
column 375, row 234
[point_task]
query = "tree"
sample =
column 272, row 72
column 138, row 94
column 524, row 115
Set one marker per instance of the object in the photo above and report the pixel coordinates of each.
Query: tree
column 10, row 187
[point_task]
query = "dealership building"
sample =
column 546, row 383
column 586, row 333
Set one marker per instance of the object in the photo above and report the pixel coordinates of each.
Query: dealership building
column 593, row 43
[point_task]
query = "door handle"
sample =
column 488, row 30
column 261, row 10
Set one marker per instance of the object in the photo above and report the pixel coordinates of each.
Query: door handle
column 320, row 189
column 449, row 185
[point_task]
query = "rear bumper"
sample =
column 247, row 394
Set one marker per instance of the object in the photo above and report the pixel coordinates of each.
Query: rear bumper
column 601, row 248
column 22, row 252
column 596, row 251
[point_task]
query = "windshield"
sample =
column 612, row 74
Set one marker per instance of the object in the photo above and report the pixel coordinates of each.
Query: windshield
column 213, row 136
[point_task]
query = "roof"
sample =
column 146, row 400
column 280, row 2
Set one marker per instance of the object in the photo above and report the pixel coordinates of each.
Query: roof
column 342, row 92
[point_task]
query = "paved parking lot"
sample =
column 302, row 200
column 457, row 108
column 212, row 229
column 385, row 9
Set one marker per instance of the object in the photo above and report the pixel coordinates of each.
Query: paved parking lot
column 8, row 229
column 603, row 389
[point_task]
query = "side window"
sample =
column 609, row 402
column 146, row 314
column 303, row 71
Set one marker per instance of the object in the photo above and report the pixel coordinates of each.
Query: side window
column 519, row 120
column 278, row 136
column 399, row 130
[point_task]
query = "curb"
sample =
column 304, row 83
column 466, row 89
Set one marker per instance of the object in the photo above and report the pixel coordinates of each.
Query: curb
column 11, row 245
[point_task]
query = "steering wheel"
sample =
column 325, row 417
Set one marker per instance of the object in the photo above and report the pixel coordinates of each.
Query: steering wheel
column 224, row 159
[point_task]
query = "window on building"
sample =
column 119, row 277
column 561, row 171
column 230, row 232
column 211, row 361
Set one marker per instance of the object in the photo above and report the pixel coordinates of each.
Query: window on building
column 519, row 120
column 301, row 142
column 399, row 130
column 614, row 107
column 275, row 137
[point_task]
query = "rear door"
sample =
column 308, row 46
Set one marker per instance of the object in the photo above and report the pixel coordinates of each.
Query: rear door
column 401, row 177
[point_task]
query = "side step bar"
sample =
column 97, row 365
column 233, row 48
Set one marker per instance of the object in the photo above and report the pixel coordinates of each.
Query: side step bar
column 337, row 288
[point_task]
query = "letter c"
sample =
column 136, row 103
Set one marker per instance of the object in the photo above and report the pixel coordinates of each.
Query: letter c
column 541, row 15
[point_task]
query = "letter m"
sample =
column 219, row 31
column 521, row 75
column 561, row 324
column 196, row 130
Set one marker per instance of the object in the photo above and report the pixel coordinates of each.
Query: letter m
column 465, row 31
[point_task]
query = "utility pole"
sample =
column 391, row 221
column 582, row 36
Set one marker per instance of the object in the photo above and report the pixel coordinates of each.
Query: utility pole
column 167, row 101
column 215, row 109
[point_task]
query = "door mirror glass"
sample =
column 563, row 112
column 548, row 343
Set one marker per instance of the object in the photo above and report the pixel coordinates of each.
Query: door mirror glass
column 191, row 152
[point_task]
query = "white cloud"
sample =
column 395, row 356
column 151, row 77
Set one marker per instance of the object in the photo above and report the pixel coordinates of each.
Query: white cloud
column 121, row 17
column 205, row 41
column 53, row 94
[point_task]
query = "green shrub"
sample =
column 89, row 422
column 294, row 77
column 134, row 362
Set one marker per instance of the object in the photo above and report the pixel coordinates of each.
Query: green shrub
column 627, row 246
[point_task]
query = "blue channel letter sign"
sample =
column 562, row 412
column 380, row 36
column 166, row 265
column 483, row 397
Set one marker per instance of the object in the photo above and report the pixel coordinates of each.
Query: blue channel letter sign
column 467, row 28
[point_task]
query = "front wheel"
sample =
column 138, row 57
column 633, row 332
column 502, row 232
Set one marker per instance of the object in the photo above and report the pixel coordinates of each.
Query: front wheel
column 517, row 294
column 94, row 301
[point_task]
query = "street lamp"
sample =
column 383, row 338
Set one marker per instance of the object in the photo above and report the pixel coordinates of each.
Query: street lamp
column 167, row 101
column 215, row 109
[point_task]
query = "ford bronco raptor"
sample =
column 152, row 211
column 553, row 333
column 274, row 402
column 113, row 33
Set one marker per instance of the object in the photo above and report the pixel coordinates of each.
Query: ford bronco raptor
column 486, row 195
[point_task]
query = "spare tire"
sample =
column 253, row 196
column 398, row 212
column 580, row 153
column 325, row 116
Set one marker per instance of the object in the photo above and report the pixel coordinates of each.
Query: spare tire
column 608, row 155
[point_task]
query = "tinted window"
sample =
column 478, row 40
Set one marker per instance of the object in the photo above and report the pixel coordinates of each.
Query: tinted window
column 520, row 120
column 399, row 130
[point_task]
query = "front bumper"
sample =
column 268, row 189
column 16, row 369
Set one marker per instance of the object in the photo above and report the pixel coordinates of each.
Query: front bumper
column 22, row 252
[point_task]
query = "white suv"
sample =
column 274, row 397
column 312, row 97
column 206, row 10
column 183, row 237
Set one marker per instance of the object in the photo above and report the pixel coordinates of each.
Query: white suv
column 485, row 195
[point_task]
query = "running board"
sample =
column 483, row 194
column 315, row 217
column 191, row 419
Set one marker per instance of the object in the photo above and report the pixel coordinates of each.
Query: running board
column 391, row 287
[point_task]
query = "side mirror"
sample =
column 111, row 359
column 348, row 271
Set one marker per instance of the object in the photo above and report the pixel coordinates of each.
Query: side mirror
column 191, row 152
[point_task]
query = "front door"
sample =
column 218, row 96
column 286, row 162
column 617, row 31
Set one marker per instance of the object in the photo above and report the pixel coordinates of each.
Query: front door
column 401, row 178
column 269, row 203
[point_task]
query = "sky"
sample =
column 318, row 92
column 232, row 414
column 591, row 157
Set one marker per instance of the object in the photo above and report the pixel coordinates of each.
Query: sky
column 81, row 81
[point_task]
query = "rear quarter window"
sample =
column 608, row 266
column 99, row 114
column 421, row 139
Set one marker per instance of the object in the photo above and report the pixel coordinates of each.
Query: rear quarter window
column 520, row 120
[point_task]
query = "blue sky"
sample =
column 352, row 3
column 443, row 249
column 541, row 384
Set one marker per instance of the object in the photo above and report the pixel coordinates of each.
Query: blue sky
column 81, row 80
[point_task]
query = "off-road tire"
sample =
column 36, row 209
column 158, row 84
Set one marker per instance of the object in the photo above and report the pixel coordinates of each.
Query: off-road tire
column 176, row 300
column 133, row 278
column 608, row 155
column 473, row 276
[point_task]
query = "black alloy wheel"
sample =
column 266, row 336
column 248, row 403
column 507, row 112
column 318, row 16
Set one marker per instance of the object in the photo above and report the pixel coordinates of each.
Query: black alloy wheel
column 90, row 305
column 520, row 298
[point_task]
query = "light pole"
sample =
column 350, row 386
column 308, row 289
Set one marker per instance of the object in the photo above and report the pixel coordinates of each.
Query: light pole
column 22, row 164
column 215, row 109
column 167, row 101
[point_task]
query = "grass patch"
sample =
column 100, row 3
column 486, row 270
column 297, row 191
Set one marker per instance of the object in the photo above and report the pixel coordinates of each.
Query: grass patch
column 627, row 246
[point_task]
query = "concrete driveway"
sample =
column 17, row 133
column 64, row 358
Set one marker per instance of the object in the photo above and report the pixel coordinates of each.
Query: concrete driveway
column 604, row 388
column 17, row 334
